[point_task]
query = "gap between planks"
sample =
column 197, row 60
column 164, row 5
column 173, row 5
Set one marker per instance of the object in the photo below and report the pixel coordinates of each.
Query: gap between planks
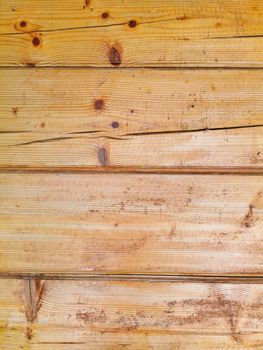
column 188, row 170
column 30, row 278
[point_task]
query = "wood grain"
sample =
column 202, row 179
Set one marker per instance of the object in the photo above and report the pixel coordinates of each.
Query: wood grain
column 128, row 223
column 124, row 33
column 68, row 101
column 140, row 120
column 135, row 315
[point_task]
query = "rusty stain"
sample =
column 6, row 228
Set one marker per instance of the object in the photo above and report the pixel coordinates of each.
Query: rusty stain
column 92, row 316
column 115, row 125
column 86, row 4
column 115, row 56
column 99, row 104
column 132, row 23
column 182, row 18
column 103, row 156
column 132, row 245
column 14, row 110
column 249, row 220
column 29, row 63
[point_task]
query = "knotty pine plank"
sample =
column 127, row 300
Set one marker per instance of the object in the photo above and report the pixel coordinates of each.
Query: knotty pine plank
column 123, row 33
column 138, row 315
column 132, row 119
column 120, row 102
column 131, row 224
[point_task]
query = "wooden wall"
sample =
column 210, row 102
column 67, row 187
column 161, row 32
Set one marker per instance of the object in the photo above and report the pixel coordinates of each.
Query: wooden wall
column 131, row 161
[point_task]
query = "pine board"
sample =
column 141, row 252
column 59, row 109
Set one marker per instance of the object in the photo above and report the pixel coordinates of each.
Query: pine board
column 130, row 223
column 123, row 33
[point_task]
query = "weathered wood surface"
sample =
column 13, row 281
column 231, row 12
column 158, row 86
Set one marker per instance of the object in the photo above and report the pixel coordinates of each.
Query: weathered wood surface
column 130, row 223
column 131, row 314
column 138, row 33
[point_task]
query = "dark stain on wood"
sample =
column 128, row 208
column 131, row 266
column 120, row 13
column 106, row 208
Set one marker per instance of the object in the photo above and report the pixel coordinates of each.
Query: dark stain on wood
column 86, row 4
column 92, row 316
column 14, row 110
column 103, row 156
column 249, row 220
column 182, row 18
column 29, row 63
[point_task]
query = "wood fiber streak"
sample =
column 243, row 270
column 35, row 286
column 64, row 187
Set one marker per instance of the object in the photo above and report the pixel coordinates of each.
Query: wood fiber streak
column 133, row 224
column 135, row 315
column 124, row 33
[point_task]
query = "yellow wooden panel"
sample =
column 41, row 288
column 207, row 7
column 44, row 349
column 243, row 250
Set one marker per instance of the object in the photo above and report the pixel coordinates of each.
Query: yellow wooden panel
column 142, row 315
column 137, row 33
column 64, row 101
column 133, row 119
column 210, row 150
column 128, row 223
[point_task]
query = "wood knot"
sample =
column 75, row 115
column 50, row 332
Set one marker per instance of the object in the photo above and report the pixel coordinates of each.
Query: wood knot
column 115, row 56
column 99, row 104
column 132, row 23
column 14, row 110
column 105, row 15
column 23, row 24
column 115, row 125
column 36, row 41
column 103, row 156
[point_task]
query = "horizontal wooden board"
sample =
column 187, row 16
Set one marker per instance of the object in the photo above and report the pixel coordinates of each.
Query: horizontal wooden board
column 135, row 119
column 216, row 150
column 120, row 102
column 135, row 315
column 125, row 33
column 130, row 223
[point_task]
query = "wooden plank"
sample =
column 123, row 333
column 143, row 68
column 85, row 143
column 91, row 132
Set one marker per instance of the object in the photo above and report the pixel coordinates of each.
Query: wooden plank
column 216, row 150
column 120, row 102
column 124, row 33
column 130, row 223
column 105, row 118
column 142, row 315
